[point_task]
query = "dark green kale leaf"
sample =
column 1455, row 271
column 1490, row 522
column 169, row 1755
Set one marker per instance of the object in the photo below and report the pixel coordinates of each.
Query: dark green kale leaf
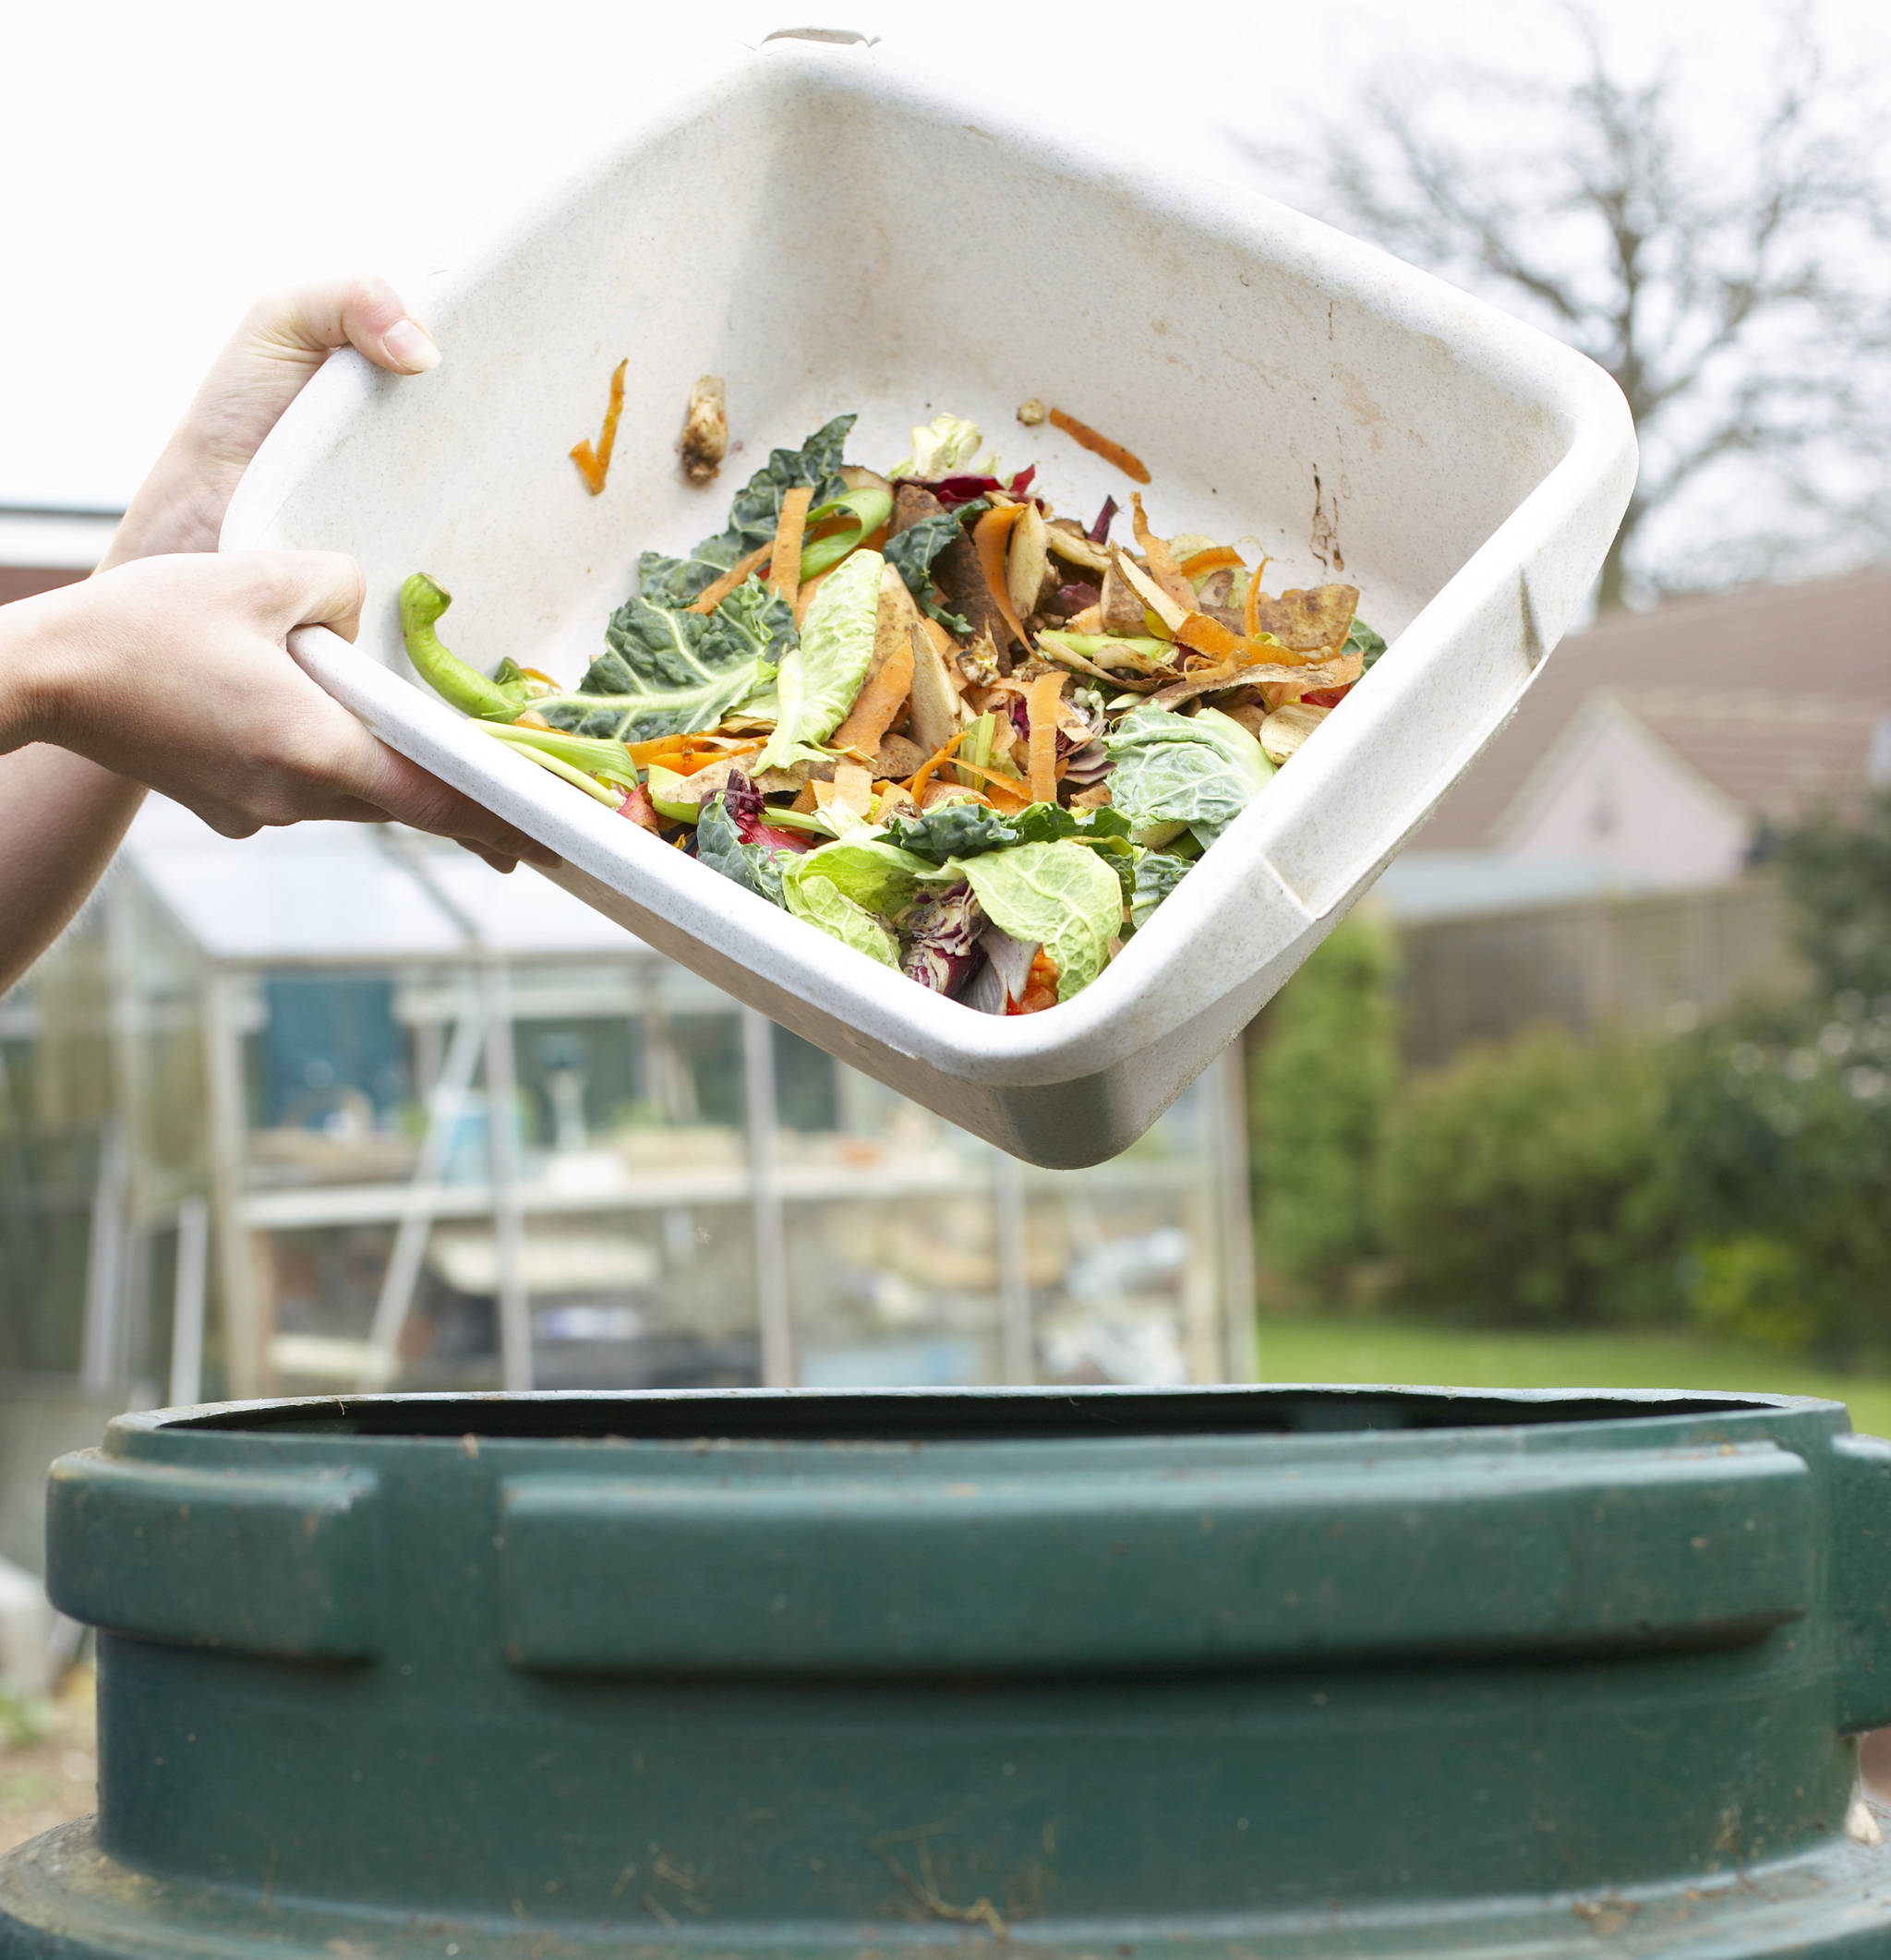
column 752, row 517
column 969, row 830
column 953, row 830
column 951, row 621
column 756, row 867
column 669, row 671
column 911, row 552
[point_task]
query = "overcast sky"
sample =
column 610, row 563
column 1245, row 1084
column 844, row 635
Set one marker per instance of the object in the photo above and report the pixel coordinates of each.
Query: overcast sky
column 160, row 165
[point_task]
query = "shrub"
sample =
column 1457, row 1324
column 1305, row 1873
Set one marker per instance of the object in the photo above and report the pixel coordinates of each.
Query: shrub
column 1323, row 1084
column 1524, row 1184
column 1779, row 1128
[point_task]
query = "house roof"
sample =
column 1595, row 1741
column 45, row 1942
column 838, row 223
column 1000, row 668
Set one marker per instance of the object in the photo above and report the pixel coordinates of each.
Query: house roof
column 1772, row 694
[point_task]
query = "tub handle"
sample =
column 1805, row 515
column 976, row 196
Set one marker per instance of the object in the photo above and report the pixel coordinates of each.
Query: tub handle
column 287, row 1564
column 1574, row 1552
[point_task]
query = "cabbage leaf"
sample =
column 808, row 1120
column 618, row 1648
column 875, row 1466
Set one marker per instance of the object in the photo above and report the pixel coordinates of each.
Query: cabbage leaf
column 1157, row 874
column 869, row 871
column 1202, row 770
column 822, row 903
column 940, row 447
column 666, row 672
column 1059, row 896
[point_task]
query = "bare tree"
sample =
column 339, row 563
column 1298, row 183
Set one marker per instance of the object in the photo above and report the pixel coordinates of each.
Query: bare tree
column 1724, row 263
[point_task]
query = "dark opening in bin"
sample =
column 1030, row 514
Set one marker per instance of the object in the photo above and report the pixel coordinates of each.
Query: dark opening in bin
column 926, row 1416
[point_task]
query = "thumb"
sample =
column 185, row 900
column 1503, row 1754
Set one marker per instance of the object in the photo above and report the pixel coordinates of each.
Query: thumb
column 303, row 588
column 307, row 322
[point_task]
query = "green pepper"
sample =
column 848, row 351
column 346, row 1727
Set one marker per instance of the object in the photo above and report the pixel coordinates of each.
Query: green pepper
column 422, row 603
column 866, row 509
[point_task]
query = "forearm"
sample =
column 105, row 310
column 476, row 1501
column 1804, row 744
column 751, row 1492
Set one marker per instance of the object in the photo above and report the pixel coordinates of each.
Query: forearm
column 60, row 818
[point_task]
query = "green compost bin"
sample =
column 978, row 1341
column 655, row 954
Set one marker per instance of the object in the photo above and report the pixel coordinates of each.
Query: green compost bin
column 1100, row 1674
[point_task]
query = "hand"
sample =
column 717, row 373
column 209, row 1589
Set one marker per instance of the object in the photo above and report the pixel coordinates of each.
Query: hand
column 174, row 671
column 285, row 338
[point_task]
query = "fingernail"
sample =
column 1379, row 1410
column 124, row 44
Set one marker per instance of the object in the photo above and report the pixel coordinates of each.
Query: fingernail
column 408, row 345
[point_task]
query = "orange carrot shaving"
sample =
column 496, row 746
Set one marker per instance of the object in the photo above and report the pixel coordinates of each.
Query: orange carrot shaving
column 852, row 788
column 916, row 783
column 692, row 760
column 1214, row 558
column 656, row 749
column 1162, row 567
column 940, row 638
column 1041, row 714
column 785, row 557
column 531, row 718
column 1251, row 612
column 1211, row 637
column 711, row 595
column 594, row 466
column 1006, row 791
column 1087, row 437
column 989, row 536
column 876, row 705
column 806, row 598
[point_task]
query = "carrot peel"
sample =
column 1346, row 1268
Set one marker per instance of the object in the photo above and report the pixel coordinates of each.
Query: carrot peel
column 784, row 554
column 1085, row 437
column 916, row 783
column 989, row 536
column 1214, row 558
column 876, row 705
column 711, row 595
column 593, row 466
column 1040, row 715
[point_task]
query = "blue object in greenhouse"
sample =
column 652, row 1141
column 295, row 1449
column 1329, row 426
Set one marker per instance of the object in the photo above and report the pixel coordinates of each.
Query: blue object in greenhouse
column 327, row 1034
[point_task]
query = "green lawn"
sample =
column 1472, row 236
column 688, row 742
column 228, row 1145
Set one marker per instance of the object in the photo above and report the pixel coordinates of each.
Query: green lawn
column 1393, row 1350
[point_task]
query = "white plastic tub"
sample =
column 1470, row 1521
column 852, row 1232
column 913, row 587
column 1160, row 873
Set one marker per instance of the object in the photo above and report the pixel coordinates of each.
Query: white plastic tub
column 830, row 232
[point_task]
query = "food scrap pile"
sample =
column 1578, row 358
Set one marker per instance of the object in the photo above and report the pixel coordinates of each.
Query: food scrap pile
column 970, row 739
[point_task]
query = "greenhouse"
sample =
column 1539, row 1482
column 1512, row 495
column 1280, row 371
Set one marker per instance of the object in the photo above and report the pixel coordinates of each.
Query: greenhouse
column 371, row 1115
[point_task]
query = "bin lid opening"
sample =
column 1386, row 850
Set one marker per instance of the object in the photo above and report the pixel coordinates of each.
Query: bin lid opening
column 932, row 1416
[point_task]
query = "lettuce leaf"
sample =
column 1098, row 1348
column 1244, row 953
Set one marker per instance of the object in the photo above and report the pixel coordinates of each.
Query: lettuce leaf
column 1202, row 770
column 1157, row 874
column 822, row 903
column 817, row 681
column 1059, row 896
column 752, row 517
column 666, row 672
